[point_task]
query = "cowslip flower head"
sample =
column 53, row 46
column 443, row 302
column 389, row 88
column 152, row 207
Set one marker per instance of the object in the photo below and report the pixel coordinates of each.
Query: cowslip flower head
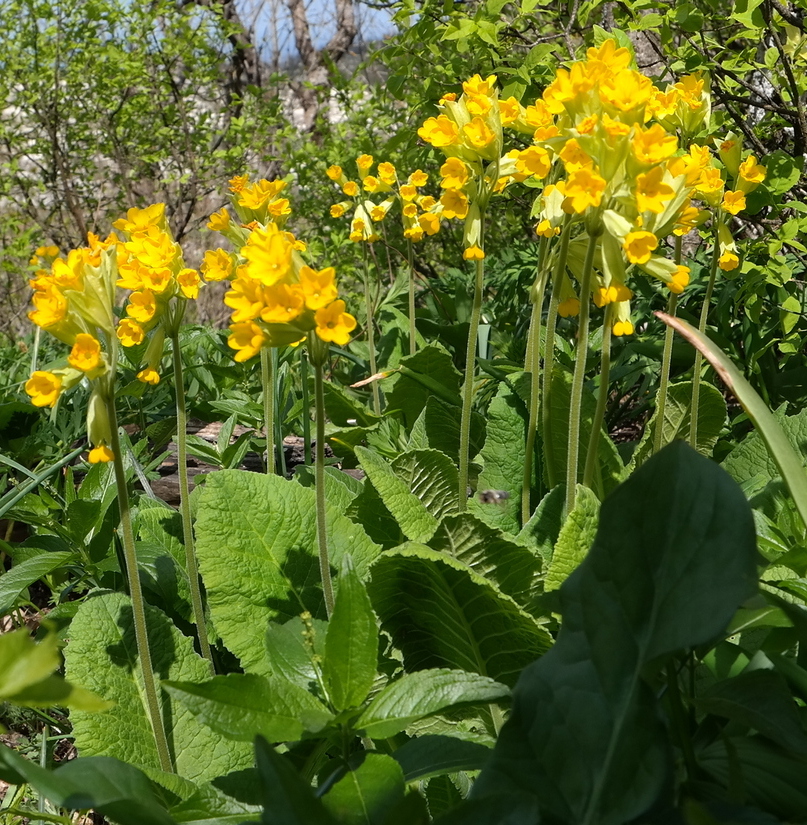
column 639, row 246
column 333, row 324
column 44, row 388
column 750, row 174
column 733, row 202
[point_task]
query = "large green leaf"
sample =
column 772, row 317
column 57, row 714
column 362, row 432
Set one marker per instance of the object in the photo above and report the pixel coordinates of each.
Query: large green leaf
column 515, row 568
column 256, row 542
column 438, row 427
column 542, row 530
column 423, row 693
column 16, row 580
column 418, row 488
column 351, row 642
column 368, row 793
column 584, row 735
column 243, row 705
column 287, row 798
column 788, row 460
column 296, row 649
column 575, row 538
column 117, row 790
column 430, row 371
column 102, row 656
column 677, row 415
column 502, row 457
column 426, row 756
column 442, row 614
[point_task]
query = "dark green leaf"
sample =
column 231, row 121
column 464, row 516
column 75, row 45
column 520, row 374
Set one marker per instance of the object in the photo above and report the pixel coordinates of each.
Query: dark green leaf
column 427, row 756
column 367, row 794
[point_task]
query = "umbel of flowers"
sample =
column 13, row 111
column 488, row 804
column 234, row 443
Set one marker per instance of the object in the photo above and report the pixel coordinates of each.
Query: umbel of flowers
column 275, row 297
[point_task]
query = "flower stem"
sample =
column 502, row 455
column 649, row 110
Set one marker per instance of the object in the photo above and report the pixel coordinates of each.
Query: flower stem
column 468, row 386
column 410, row 255
column 696, row 375
column 306, row 406
column 532, row 364
column 368, row 306
column 277, row 391
column 268, row 383
column 319, row 462
column 136, row 592
column 602, row 400
column 576, row 398
column 185, row 505
column 549, row 355
column 666, row 360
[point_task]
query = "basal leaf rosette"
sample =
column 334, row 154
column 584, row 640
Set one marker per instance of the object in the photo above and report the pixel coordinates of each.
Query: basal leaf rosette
column 74, row 301
column 151, row 265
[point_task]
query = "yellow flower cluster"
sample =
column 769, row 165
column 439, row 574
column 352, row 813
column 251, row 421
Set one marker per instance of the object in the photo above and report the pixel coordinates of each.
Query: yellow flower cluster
column 275, row 298
column 416, row 208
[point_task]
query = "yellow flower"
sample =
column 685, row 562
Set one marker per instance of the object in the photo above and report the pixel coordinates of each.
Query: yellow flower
column 334, row 325
column 408, row 192
column 439, row 132
column 538, row 116
column 478, row 87
column 687, row 220
column 188, row 280
column 44, row 388
column 429, row 223
column 410, row 210
column 338, row 210
column 584, row 188
column 245, row 298
column 217, row 265
column 651, row 191
column 364, row 163
column 350, row 188
column 455, row 174
column 544, row 229
column 587, row 125
column 129, row 333
column 371, row 184
column 690, row 90
column 257, row 194
column 613, row 58
column 733, row 202
column 219, row 221
column 238, row 183
column 247, row 339
column 139, row 220
column 386, row 174
column 626, row 90
column 710, row 182
column 569, row 307
column 614, row 128
column 319, row 288
column 69, row 274
column 86, row 353
column 426, row 202
column 269, row 254
column 510, row 110
column 751, row 171
column 141, row 306
column 454, row 203
column 334, row 172
column 653, row 145
column 534, row 161
column 679, row 280
column 621, row 328
column 728, row 261
column 279, row 208
column 50, row 305
column 149, row 376
column 473, row 253
column 100, row 455
column 478, row 133
column 284, row 302
column 639, row 245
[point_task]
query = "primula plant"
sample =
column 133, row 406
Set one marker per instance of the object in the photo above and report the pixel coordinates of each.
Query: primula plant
column 506, row 579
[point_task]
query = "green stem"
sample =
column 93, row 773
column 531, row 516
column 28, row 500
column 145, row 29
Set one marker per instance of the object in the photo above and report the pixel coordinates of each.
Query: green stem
column 666, row 360
column 679, row 720
column 696, row 375
column 306, row 406
column 468, row 386
column 185, row 505
column 602, row 400
column 267, row 383
column 136, row 593
column 368, row 307
column 549, row 354
column 319, row 462
column 277, row 391
column 532, row 365
column 576, row 399
column 410, row 255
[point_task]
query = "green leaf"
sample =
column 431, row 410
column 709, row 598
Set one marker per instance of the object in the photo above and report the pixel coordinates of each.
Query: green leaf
column 677, row 414
column 426, row 692
column 102, row 655
column 783, row 171
column 351, row 643
column 575, row 539
column 368, row 793
column 786, row 458
column 211, row 805
column 442, row 614
column 542, row 530
column 585, row 735
column 512, row 566
column 26, row 669
column 291, row 648
column 243, row 705
column 14, row 582
column 502, row 457
column 287, row 799
column 117, row 790
column 438, row 427
column 341, row 407
column 418, row 488
column 749, row 14
column 426, row 756
column 270, row 570
column 430, row 371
